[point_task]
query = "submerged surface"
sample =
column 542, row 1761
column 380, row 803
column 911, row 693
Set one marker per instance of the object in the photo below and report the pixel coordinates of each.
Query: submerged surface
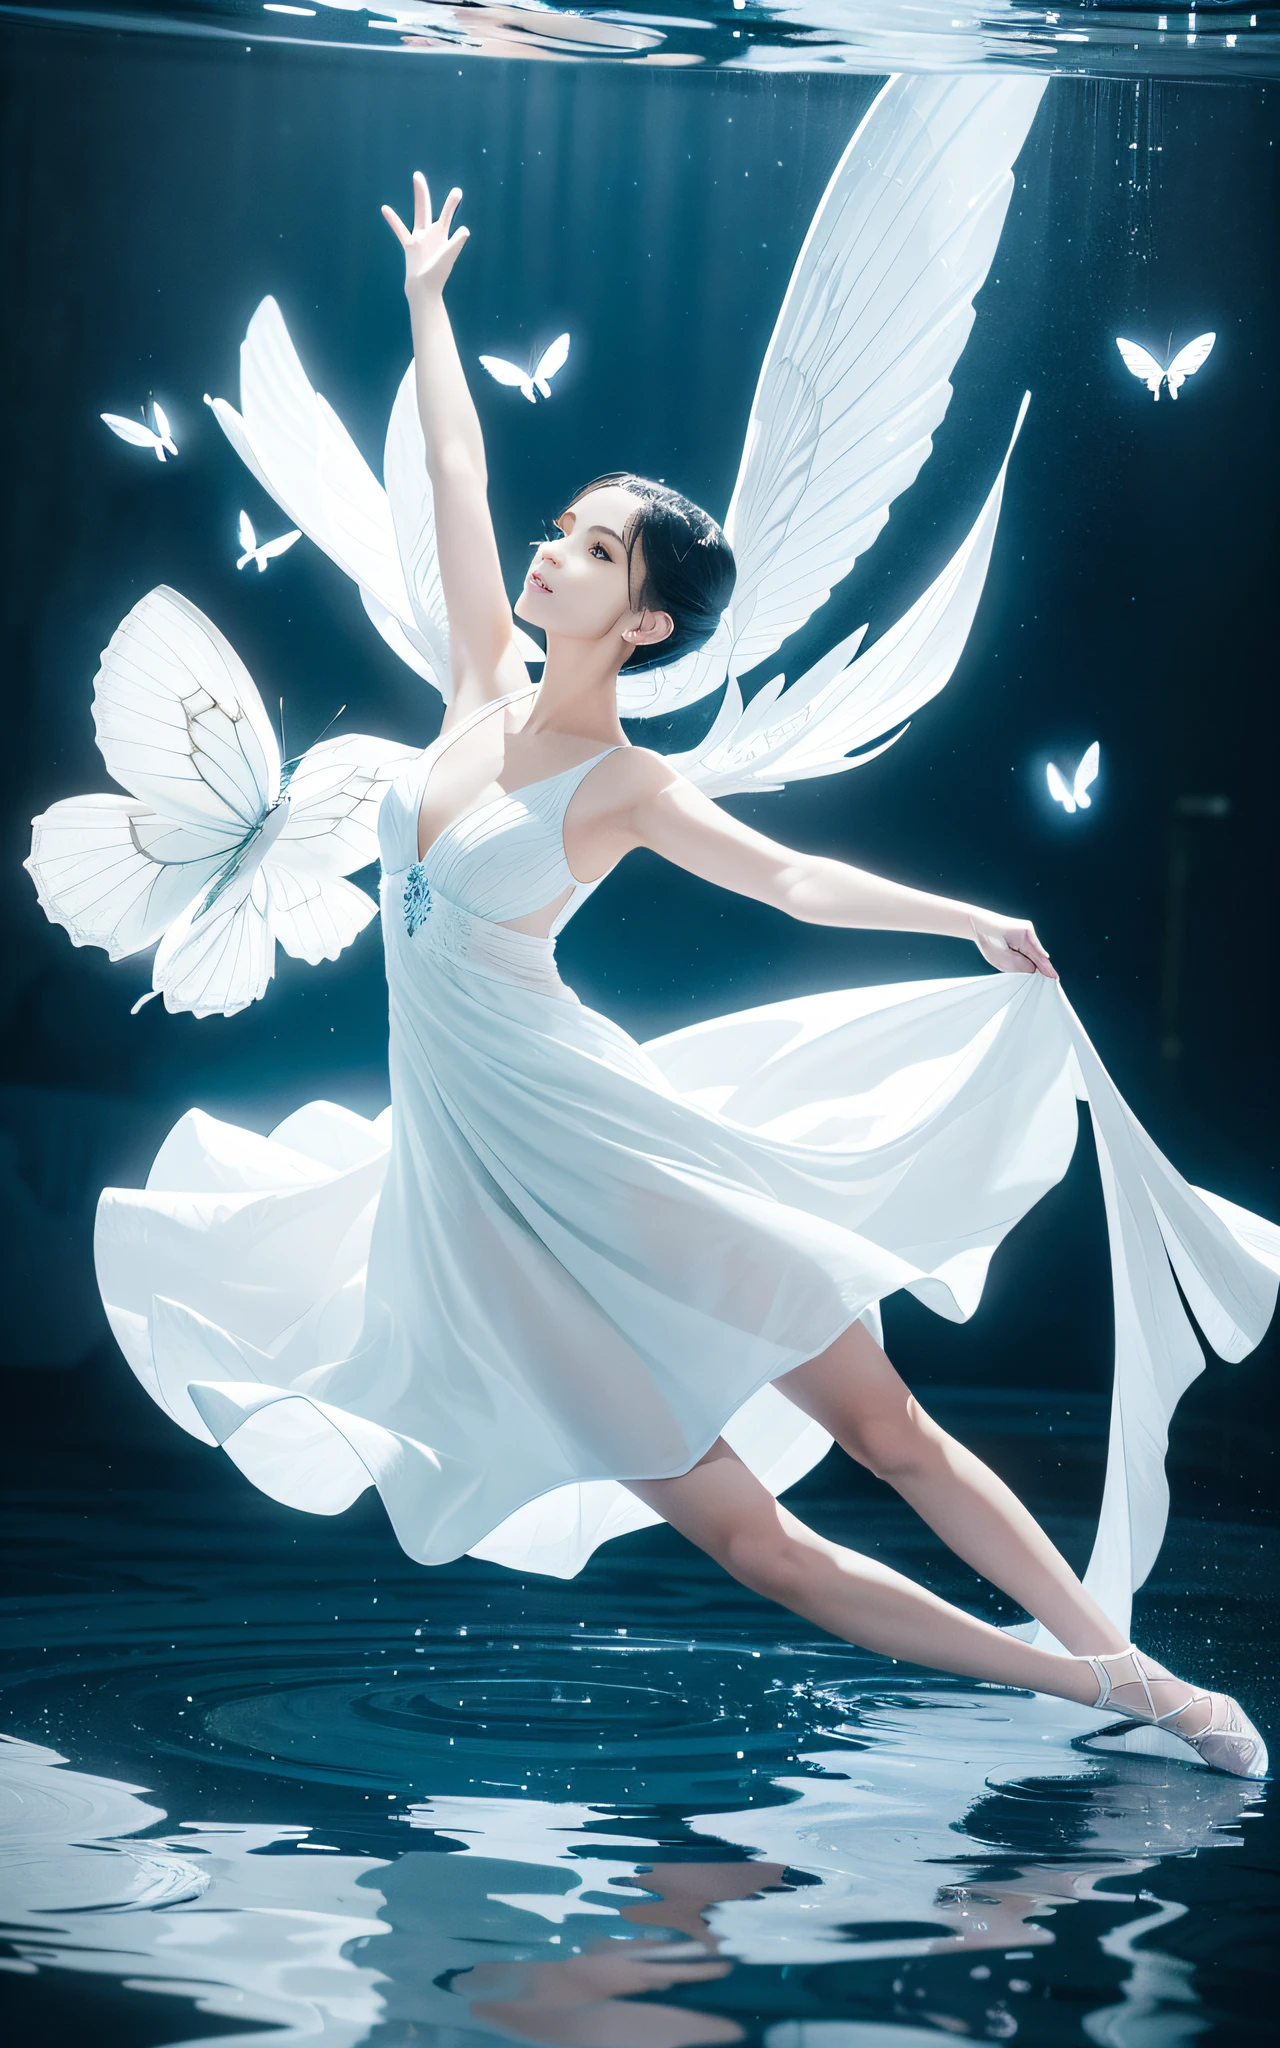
column 261, row 1774
column 1223, row 40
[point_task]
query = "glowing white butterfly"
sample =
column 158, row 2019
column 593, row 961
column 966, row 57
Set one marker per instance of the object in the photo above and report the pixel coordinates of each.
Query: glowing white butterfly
column 1077, row 797
column 1141, row 363
column 220, row 850
column 535, row 379
column 269, row 549
column 138, row 435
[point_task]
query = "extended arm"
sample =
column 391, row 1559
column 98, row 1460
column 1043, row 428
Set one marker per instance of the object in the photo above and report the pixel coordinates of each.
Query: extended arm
column 669, row 816
column 485, row 661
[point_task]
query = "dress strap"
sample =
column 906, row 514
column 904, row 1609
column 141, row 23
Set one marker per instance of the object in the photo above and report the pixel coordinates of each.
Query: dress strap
column 481, row 711
column 568, row 779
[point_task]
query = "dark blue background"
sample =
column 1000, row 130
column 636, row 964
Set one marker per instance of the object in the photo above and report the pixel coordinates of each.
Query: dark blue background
column 155, row 190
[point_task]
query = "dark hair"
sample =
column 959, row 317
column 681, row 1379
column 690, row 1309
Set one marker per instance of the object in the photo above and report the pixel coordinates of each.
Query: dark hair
column 689, row 570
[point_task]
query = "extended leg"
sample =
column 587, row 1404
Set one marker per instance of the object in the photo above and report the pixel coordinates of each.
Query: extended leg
column 724, row 1509
column 854, row 1392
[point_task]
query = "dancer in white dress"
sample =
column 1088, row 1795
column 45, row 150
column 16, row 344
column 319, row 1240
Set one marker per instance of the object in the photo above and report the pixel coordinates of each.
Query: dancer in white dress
column 581, row 1284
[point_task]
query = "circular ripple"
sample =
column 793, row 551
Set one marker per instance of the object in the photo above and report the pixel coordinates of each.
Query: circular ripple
column 553, row 1714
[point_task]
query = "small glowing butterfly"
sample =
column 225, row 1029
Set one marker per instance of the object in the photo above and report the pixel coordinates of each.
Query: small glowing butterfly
column 267, row 550
column 1141, row 363
column 1075, row 798
column 537, row 377
column 138, row 435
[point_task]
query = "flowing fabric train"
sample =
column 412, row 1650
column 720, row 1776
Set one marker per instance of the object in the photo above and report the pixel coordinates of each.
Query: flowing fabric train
column 716, row 1206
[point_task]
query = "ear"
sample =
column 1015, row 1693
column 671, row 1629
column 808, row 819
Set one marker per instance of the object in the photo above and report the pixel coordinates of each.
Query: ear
column 653, row 627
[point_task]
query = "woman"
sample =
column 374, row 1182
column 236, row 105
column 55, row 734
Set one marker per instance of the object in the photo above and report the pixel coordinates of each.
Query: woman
column 581, row 1262
column 636, row 572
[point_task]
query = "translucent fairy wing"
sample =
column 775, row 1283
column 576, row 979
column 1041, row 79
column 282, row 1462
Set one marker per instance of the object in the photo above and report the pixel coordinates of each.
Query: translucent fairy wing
column 302, row 455
column 179, row 721
column 217, row 960
column 1141, row 363
column 132, row 431
column 314, row 916
column 1188, row 360
column 280, row 545
column 163, row 429
column 404, row 468
column 1058, row 789
column 115, row 875
column 553, row 358
column 1086, row 775
column 850, row 699
column 295, row 445
column 503, row 372
column 335, row 794
column 397, row 636
column 247, row 537
column 879, row 307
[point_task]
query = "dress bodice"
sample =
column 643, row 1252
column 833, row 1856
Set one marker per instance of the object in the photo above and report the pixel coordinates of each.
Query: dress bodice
column 499, row 861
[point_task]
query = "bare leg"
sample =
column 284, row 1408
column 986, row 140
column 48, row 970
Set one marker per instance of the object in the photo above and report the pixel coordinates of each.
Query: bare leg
column 854, row 1392
column 722, row 1507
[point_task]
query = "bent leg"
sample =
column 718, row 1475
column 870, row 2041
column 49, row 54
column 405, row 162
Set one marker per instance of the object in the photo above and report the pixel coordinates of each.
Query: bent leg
column 855, row 1393
column 722, row 1507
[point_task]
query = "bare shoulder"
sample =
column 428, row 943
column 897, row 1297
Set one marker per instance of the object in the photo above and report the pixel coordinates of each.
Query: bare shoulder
column 634, row 774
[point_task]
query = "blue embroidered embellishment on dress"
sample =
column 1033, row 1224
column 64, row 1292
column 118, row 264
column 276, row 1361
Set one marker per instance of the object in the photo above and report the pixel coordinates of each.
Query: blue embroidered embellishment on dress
column 417, row 897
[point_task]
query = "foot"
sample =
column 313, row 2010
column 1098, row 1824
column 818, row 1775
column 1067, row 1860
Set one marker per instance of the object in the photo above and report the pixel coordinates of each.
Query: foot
column 1211, row 1723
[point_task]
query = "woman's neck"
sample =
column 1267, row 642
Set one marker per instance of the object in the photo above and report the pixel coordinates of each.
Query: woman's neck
column 579, row 694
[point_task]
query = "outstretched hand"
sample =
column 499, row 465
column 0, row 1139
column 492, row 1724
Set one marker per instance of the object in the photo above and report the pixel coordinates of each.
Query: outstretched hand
column 1010, row 944
column 430, row 250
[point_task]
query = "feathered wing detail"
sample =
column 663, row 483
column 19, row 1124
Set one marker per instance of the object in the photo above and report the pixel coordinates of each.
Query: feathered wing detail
column 409, row 494
column 179, row 721
column 849, row 699
column 856, row 376
column 687, row 681
column 114, row 874
column 294, row 444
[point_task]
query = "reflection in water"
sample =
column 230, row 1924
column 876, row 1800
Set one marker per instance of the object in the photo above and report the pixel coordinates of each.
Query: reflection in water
column 908, row 1872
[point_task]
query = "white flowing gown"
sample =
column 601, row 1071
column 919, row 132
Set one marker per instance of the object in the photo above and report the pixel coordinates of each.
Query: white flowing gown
column 562, row 1260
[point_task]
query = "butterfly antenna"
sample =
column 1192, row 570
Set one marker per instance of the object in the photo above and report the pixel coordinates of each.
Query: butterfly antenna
column 284, row 751
column 332, row 722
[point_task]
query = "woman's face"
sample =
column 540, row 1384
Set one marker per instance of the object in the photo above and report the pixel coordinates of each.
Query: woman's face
column 578, row 586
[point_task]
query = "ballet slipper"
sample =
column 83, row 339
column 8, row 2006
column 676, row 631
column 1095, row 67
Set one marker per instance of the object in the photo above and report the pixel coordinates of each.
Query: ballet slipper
column 1219, row 1730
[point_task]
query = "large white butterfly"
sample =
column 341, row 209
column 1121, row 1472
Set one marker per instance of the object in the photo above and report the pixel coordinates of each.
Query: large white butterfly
column 536, row 378
column 1141, row 363
column 1075, row 798
column 160, row 439
column 219, row 850
column 268, row 550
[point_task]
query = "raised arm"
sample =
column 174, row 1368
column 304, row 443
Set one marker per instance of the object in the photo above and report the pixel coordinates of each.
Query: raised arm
column 485, row 661
column 659, row 809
